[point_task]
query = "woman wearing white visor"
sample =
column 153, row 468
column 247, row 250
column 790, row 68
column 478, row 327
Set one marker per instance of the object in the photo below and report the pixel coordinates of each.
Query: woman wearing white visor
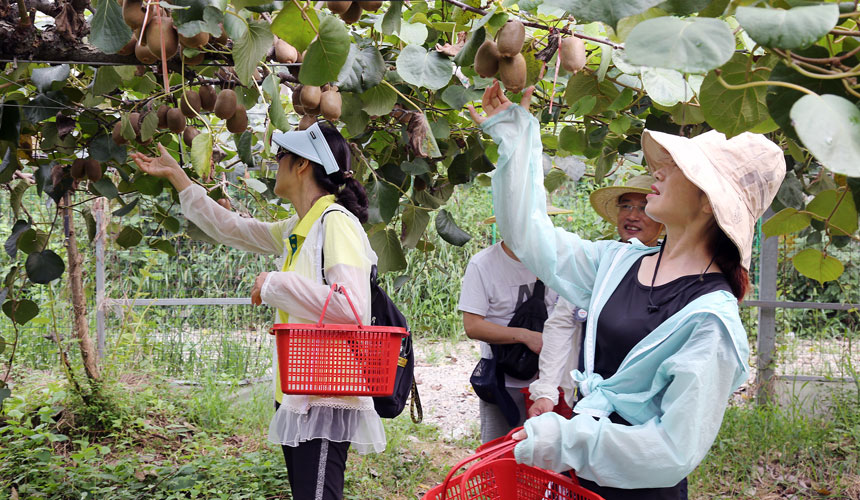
column 653, row 406
column 315, row 176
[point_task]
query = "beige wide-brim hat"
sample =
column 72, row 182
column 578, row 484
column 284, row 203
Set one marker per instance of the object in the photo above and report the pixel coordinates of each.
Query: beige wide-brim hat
column 740, row 176
column 550, row 210
column 605, row 200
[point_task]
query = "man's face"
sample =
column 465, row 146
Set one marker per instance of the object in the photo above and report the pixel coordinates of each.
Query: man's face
column 632, row 221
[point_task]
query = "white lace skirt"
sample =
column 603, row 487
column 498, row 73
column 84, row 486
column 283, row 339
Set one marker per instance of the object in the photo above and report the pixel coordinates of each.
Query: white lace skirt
column 362, row 428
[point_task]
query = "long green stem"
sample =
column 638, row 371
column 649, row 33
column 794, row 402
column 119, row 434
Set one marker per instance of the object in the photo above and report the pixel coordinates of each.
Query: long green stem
column 401, row 95
column 748, row 85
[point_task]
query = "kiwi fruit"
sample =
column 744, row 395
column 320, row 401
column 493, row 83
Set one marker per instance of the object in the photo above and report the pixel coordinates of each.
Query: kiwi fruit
column 330, row 104
column 134, row 118
column 175, row 120
column 225, row 104
column 160, row 32
column 239, row 121
column 352, row 14
column 116, row 134
column 207, row 97
column 338, row 7
column 189, row 103
column 512, row 71
column 194, row 60
column 144, row 55
column 284, row 52
column 132, row 13
column 57, row 174
column 128, row 49
column 189, row 134
column 162, row 116
column 572, row 54
column 510, row 38
column 487, row 59
column 307, row 121
column 196, row 41
column 370, row 5
column 79, row 169
column 311, row 96
column 93, row 169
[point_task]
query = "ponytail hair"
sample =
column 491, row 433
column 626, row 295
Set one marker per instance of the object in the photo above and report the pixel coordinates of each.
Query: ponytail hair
column 727, row 256
column 349, row 193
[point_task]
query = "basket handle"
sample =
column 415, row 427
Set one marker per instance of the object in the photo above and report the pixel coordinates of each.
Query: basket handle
column 489, row 453
column 342, row 290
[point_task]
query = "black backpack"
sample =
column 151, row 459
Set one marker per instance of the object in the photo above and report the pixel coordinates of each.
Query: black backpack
column 383, row 312
column 517, row 360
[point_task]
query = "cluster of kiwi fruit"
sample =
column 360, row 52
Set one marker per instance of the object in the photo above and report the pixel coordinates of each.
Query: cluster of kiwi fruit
column 350, row 12
column 504, row 56
column 86, row 168
column 310, row 101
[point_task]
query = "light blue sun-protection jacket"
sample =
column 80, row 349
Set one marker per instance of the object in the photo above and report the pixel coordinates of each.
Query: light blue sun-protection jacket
column 673, row 386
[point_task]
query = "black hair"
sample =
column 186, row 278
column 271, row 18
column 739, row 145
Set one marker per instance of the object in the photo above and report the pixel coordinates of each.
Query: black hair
column 728, row 258
column 349, row 193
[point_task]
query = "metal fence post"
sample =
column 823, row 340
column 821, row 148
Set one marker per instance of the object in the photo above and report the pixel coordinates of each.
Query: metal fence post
column 766, row 341
column 99, row 216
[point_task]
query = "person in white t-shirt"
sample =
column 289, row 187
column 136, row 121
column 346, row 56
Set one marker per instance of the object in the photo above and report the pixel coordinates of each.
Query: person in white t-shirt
column 494, row 285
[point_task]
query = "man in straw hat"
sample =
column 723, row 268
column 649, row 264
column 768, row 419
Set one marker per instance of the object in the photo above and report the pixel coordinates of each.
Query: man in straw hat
column 647, row 418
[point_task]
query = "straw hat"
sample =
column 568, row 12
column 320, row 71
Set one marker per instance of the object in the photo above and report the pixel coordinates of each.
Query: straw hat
column 740, row 176
column 604, row 200
column 550, row 210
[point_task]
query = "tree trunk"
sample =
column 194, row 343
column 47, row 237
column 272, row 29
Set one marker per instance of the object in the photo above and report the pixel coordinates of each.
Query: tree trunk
column 79, row 300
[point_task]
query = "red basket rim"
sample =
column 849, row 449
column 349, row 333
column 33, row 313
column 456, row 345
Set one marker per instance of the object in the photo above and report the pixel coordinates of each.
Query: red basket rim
column 277, row 327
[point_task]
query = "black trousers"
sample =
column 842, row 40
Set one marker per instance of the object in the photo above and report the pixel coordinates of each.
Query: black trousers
column 316, row 468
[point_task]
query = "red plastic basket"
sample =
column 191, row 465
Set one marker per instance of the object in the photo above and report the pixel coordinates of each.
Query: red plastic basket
column 497, row 476
column 337, row 360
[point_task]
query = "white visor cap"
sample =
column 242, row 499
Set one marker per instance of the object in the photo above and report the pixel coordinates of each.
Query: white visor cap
column 309, row 143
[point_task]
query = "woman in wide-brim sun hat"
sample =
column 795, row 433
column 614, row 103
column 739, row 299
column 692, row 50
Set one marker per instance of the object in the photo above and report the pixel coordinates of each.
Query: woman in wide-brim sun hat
column 620, row 206
column 664, row 346
column 315, row 175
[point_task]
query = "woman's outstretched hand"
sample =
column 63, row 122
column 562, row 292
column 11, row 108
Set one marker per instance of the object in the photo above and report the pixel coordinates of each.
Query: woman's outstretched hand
column 163, row 166
column 494, row 102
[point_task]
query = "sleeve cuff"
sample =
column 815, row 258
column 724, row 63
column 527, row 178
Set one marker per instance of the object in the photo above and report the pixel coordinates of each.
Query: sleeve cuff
column 264, row 291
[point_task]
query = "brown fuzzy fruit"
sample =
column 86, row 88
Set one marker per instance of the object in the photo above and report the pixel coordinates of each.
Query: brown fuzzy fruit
column 93, row 169
column 487, row 59
column 239, row 121
column 225, row 104
column 352, row 14
column 190, row 103
column 134, row 118
column 79, row 168
column 207, row 97
column 512, row 71
column 162, row 116
column 116, row 134
column 189, row 134
column 57, row 174
column 370, row 5
column 144, row 55
column 132, row 13
column 572, row 54
column 128, row 49
column 338, row 7
column 193, row 61
column 307, row 121
column 330, row 104
column 311, row 96
column 510, row 38
column 160, row 32
column 284, row 52
column 196, row 41
column 175, row 120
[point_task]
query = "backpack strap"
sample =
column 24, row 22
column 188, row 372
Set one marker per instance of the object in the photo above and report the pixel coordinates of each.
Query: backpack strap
column 539, row 290
column 374, row 278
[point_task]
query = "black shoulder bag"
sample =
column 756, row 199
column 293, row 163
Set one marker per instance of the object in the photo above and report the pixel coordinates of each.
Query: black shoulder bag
column 517, row 360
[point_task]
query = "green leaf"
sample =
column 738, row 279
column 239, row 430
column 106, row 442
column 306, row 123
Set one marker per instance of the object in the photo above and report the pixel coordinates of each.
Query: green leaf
column 108, row 31
column 256, row 185
column 44, row 78
column 734, row 111
column 388, row 250
column 780, row 99
column 20, row 311
column 414, row 222
column 815, row 265
column 10, row 121
column 129, row 237
column 147, row 184
column 786, row 221
column 793, row 29
column 412, row 34
column 32, row 240
column 606, row 11
column 106, row 80
column 484, row 20
column 391, row 20
column 416, row 166
column 44, row 106
column 790, row 192
column 249, row 50
column 201, row 154
column 554, row 180
column 44, row 267
column 620, row 125
column 585, row 87
column 355, row 118
column 125, row 209
column 449, row 230
column 164, row 246
column 573, row 140
column 829, row 127
column 838, row 209
column 103, row 149
column 326, row 55
column 684, row 7
column 104, row 187
column 692, row 45
column 277, row 115
column 665, row 86
column 148, row 126
column 466, row 56
column 243, row 148
column 457, row 96
column 383, row 199
column 430, row 70
column 379, row 100
column 9, row 165
column 2, row 340
column 11, row 245
column 363, row 70
column 459, row 171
